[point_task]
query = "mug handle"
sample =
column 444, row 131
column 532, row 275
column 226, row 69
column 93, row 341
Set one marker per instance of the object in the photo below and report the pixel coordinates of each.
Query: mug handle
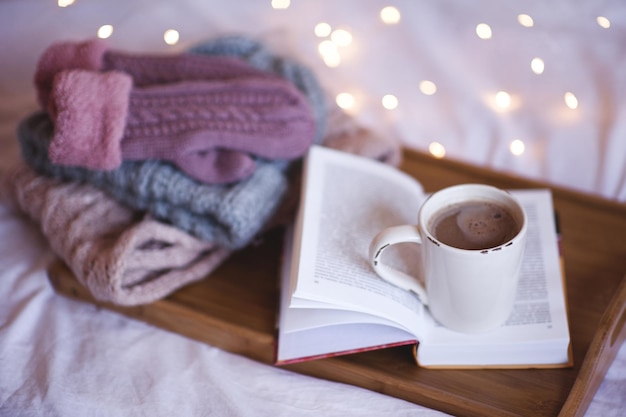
column 384, row 239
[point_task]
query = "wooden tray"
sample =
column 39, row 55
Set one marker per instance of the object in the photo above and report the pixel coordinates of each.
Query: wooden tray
column 235, row 309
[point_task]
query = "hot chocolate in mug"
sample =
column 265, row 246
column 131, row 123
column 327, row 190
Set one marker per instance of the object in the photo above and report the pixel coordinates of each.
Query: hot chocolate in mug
column 472, row 239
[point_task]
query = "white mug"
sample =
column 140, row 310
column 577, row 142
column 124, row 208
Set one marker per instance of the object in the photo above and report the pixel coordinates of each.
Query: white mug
column 467, row 290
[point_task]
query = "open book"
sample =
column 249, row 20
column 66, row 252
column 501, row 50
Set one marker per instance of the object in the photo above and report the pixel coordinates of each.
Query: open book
column 333, row 303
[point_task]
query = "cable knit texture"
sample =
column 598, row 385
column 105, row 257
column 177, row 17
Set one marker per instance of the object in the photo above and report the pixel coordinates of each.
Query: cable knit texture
column 260, row 57
column 171, row 110
column 227, row 215
column 120, row 255
column 100, row 121
column 221, row 58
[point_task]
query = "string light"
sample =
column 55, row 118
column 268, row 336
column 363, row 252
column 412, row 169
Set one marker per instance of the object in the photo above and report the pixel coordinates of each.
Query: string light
column 525, row 20
column 330, row 49
column 341, row 37
column 390, row 101
column 437, row 150
column 517, row 147
column 345, row 100
column 503, row 99
column 105, row 31
column 603, row 22
column 428, row 87
column 171, row 37
column 322, row 30
column 329, row 52
column 390, row 15
column 570, row 100
column 483, row 31
column 281, row 4
column 537, row 65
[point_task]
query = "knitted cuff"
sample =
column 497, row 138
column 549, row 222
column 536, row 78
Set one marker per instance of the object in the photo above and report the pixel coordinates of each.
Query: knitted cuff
column 90, row 112
column 64, row 56
column 120, row 256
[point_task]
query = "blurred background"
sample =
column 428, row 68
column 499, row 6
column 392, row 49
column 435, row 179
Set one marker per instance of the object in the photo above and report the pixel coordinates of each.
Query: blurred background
column 532, row 88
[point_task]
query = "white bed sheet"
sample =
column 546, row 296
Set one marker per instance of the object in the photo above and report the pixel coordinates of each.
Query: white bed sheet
column 59, row 357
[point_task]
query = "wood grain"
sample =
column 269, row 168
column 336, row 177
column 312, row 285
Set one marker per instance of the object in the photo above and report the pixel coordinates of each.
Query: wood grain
column 235, row 309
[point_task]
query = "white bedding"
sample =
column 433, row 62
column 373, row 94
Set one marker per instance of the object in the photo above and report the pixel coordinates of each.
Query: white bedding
column 64, row 358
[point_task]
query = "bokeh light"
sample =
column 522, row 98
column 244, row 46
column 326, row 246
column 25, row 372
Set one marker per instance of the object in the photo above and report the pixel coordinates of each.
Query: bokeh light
column 437, row 150
column 537, row 65
column 603, row 22
column 329, row 52
column 345, row 100
column 390, row 101
column 483, row 31
column 503, row 99
column 427, row 87
column 525, row 20
column 281, row 4
column 570, row 100
column 517, row 147
column 390, row 15
column 171, row 37
column 341, row 37
column 322, row 30
column 105, row 31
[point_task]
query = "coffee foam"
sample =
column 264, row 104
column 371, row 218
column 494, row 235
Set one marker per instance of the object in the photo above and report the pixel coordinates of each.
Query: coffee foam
column 481, row 225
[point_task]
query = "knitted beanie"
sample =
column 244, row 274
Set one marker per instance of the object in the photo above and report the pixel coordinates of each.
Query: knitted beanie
column 119, row 255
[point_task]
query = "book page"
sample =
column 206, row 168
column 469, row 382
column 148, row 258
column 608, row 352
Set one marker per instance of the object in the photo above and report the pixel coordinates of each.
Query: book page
column 339, row 219
column 305, row 334
column 539, row 314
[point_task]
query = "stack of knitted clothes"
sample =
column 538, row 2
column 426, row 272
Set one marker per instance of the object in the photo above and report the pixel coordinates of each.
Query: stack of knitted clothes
column 145, row 172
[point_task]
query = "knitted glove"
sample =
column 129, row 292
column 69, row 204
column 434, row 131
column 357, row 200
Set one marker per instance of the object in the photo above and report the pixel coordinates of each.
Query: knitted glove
column 119, row 255
column 230, row 216
column 182, row 122
column 221, row 58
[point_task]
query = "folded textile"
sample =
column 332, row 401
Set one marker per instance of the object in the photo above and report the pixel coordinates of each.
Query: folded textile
column 222, row 62
column 101, row 119
column 228, row 215
column 121, row 256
